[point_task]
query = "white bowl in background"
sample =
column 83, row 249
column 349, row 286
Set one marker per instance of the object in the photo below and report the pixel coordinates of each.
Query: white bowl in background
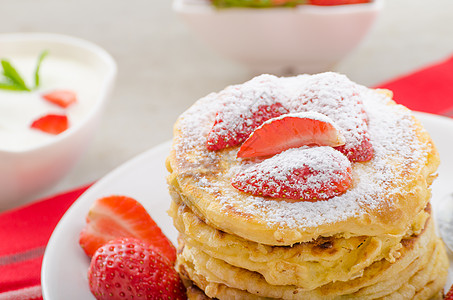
column 303, row 39
column 29, row 170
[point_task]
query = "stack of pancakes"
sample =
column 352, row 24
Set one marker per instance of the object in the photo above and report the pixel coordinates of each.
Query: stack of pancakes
column 377, row 240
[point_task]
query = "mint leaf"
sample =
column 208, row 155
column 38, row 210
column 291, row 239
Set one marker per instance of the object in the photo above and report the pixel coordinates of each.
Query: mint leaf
column 13, row 80
column 13, row 76
column 10, row 86
column 38, row 65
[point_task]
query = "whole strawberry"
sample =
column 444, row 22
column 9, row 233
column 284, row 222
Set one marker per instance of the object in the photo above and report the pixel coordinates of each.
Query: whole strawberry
column 126, row 268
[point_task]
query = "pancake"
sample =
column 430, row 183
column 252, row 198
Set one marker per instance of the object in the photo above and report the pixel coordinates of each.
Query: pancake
column 420, row 270
column 431, row 279
column 307, row 265
column 361, row 229
column 387, row 192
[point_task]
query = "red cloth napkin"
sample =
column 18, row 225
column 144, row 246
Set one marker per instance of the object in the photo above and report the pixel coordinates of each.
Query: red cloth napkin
column 24, row 232
column 429, row 89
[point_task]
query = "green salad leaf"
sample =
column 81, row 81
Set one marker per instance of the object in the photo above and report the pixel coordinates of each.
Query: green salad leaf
column 12, row 80
column 257, row 3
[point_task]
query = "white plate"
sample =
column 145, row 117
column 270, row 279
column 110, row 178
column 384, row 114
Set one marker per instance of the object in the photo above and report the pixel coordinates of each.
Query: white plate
column 65, row 265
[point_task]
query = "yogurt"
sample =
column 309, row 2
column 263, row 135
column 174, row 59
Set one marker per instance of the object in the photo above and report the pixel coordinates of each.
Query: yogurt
column 18, row 109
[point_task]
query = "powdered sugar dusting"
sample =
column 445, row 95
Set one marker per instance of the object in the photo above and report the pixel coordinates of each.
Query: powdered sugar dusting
column 244, row 99
column 390, row 130
column 309, row 115
column 337, row 97
column 321, row 160
column 197, row 122
column 245, row 108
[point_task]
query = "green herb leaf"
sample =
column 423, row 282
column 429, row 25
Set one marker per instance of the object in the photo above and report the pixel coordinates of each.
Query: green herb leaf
column 10, row 86
column 38, row 65
column 10, row 73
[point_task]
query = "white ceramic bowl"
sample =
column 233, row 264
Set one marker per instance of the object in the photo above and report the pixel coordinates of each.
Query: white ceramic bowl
column 28, row 171
column 304, row 39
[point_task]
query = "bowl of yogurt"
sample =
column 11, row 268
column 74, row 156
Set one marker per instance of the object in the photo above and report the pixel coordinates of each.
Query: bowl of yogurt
column 33, row 160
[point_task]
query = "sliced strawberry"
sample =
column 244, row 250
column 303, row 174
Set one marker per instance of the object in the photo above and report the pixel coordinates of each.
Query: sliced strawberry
column 230, row 130
column 362, row 152
column 120, row 216
column 291, row 131
column 336, row 2
column 305, row 174
column 340, row 99
column 449, row 295
column 62, row 98
column 127, row 268
column 53, row 124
